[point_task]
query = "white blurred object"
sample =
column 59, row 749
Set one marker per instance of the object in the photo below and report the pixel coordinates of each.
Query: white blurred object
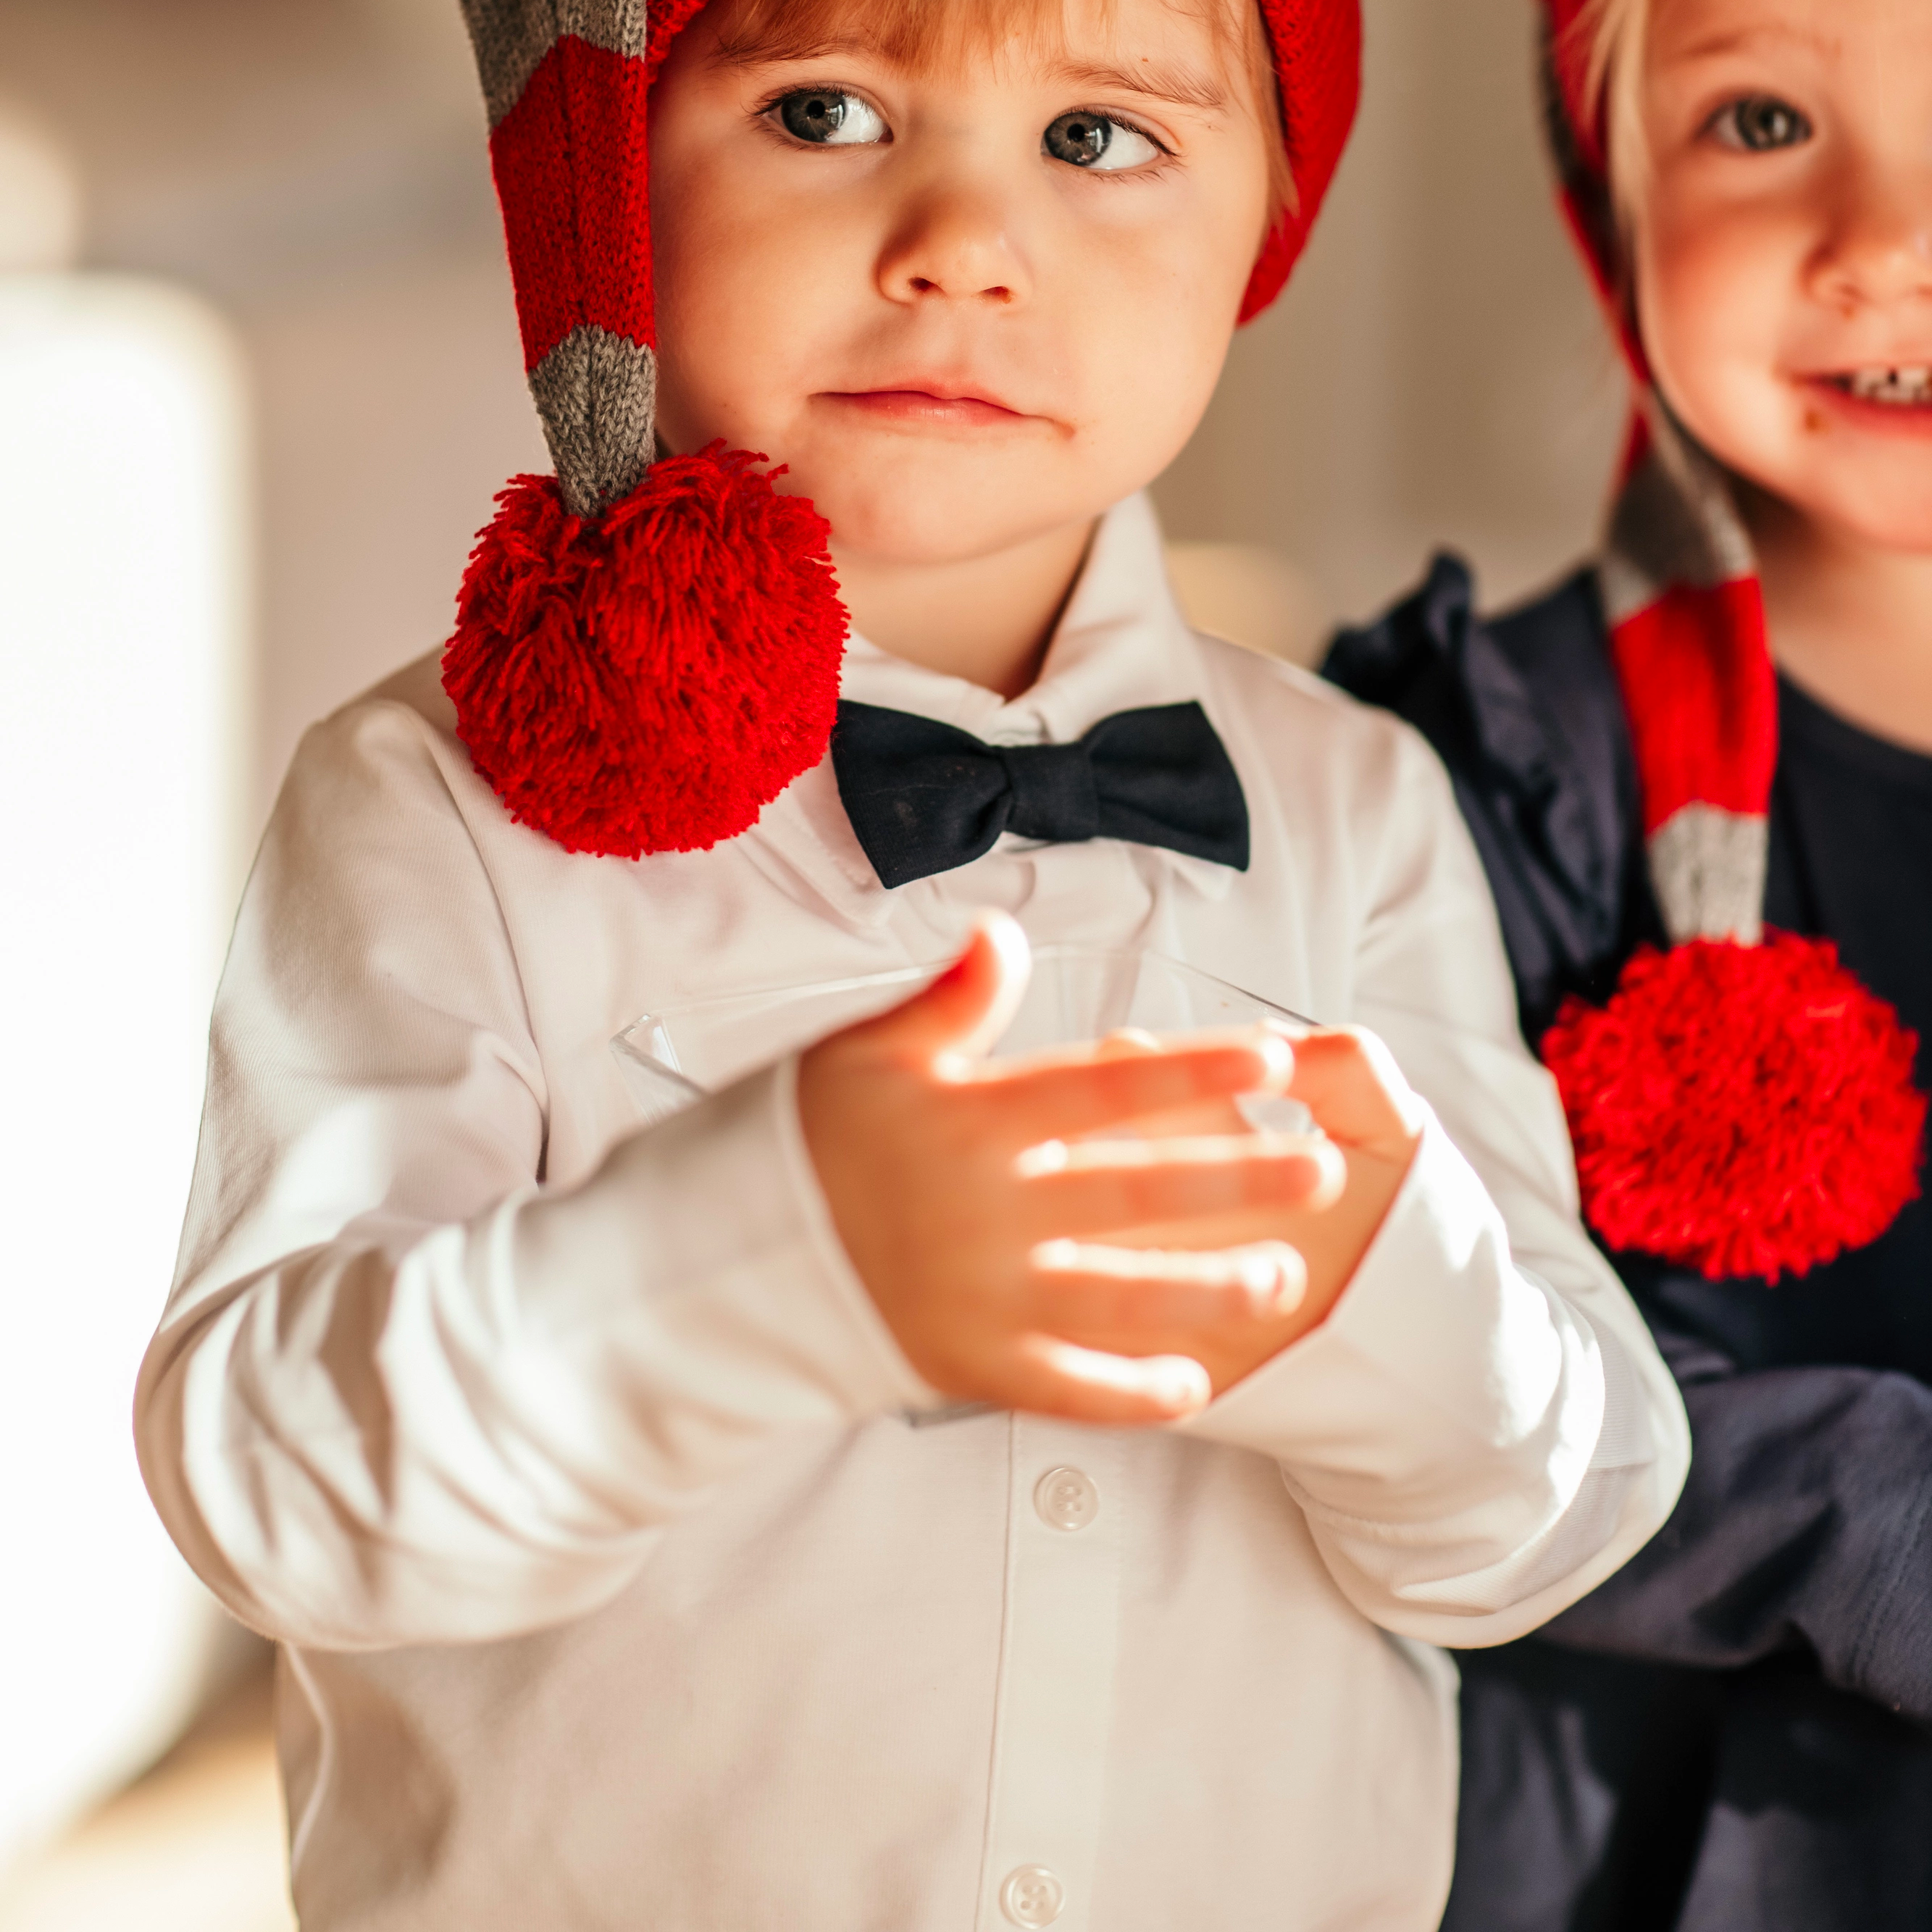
column 40, row 200
column 199, row 1846
column 123, row 606
column 1251, row 596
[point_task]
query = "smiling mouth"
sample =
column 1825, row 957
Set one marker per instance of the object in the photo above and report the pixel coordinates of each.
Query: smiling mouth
column 1908, row 386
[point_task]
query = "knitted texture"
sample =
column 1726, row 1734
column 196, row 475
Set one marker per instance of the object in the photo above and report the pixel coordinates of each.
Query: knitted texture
column 649, row 680
column 1742, row 1108
column 1746, row 1110
column 1702, row 700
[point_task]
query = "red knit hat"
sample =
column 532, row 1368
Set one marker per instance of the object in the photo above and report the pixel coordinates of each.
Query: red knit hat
column 646, row 652
column 1742, row 1104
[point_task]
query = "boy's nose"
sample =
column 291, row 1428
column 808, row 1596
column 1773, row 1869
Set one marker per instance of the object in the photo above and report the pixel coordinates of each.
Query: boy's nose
column 954, row 243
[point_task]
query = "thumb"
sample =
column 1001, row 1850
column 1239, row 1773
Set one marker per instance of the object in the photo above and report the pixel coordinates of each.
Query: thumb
column 960, row 1015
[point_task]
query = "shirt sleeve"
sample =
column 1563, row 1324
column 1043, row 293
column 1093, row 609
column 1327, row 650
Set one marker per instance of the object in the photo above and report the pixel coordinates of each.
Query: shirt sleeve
column 1482, row 1429
column 401, row 1393
column 1806, row 1524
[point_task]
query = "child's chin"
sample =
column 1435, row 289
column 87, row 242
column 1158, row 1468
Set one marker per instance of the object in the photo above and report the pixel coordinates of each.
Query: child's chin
column 904, row 524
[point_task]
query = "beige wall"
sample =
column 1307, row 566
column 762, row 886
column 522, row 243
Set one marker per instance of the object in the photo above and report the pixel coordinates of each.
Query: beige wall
column 316, row 169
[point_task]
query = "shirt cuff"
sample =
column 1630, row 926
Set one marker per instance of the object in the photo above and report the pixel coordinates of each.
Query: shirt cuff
column 1439, row 1357
column 698, row 1277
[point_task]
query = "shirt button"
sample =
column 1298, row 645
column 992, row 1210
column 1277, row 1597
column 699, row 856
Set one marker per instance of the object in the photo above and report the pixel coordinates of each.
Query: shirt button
column 1067, row 1500
column 1032, row 1896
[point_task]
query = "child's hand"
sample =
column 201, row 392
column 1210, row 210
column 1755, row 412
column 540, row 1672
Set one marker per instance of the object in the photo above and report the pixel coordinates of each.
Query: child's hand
column 974, row 1210
column 1348, row 1081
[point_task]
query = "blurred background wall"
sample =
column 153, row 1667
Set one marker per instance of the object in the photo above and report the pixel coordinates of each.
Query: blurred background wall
column 302, row 185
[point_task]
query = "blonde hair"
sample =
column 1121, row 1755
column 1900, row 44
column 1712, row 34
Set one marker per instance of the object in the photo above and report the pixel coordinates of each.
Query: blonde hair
column 1612, row 35
column 923, row 35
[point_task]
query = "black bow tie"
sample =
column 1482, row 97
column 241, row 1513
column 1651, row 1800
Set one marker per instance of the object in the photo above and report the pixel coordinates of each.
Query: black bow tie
column 924, row 797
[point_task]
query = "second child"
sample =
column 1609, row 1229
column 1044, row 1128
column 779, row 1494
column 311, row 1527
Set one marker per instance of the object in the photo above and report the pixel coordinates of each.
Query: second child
column 1701, row 775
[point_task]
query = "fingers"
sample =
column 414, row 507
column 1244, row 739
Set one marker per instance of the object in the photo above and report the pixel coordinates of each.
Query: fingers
column 959, row 1016
column 1349, row 1081
column 1081, row 1288
column 1051, row 1377
column 1126, row 1081
column 1094, row 1188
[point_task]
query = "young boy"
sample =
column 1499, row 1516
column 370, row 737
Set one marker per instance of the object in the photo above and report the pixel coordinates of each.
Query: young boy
column 606, row 1488
column 1727, row 727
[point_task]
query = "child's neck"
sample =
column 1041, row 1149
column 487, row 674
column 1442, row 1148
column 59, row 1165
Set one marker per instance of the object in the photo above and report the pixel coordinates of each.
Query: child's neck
column 988, row 620
column 1851, row 624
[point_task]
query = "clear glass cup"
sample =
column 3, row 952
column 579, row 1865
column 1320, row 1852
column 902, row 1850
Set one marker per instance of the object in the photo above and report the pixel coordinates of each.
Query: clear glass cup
column 675, row 1055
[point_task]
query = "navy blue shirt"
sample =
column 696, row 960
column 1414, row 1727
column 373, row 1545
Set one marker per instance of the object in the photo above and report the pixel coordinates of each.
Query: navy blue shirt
column 1851, row 861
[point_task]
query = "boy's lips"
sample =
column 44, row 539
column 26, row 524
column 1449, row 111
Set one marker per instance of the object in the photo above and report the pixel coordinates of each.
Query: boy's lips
column 940, row 406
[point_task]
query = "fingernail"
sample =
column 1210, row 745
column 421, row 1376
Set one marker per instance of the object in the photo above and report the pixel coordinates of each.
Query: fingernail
column 1261, row 1275
column 1278, row 1055
column 1048, row 1157
column 1181, row 1385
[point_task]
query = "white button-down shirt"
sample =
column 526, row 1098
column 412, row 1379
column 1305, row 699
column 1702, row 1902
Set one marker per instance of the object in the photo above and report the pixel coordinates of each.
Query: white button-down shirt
column 571, row 1463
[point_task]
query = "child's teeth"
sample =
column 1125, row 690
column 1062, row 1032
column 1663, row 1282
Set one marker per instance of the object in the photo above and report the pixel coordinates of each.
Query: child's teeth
column 1893, row 386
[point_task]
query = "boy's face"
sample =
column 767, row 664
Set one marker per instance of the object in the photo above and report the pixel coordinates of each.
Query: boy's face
column 1783, row 250
column 966, row 305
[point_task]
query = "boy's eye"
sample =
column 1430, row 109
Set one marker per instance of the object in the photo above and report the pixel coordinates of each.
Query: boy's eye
column 1085, row 140
column 827, row 117
column 1760, row 122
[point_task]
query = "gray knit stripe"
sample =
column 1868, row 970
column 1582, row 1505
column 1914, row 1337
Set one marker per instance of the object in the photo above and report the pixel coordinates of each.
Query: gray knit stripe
column 512, row 37
column 597, row 393
column 1707, row 868
column 1675, row 523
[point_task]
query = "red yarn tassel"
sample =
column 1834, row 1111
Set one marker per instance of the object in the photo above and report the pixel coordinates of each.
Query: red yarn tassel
column 1744, row 1110
column 650, row 680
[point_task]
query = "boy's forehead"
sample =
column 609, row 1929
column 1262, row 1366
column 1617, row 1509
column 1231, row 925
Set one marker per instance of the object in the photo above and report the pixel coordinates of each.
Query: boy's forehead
column 928, row 36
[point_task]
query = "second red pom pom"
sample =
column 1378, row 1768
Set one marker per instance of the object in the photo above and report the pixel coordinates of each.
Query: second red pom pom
column 1741, row 1110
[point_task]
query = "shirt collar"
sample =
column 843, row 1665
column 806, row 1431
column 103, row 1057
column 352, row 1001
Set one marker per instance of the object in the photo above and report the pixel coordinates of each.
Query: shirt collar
column 1121, row 643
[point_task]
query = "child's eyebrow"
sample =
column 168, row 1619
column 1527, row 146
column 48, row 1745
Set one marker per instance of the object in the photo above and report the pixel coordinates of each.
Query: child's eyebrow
column 1154, row 80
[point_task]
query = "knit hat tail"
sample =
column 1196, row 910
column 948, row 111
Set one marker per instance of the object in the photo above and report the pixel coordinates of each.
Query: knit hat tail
column 1742, row 1105
column 646, row 653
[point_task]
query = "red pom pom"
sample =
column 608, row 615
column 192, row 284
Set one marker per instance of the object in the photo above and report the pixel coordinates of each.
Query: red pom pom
column 650, row 679
column 1742, row 1110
